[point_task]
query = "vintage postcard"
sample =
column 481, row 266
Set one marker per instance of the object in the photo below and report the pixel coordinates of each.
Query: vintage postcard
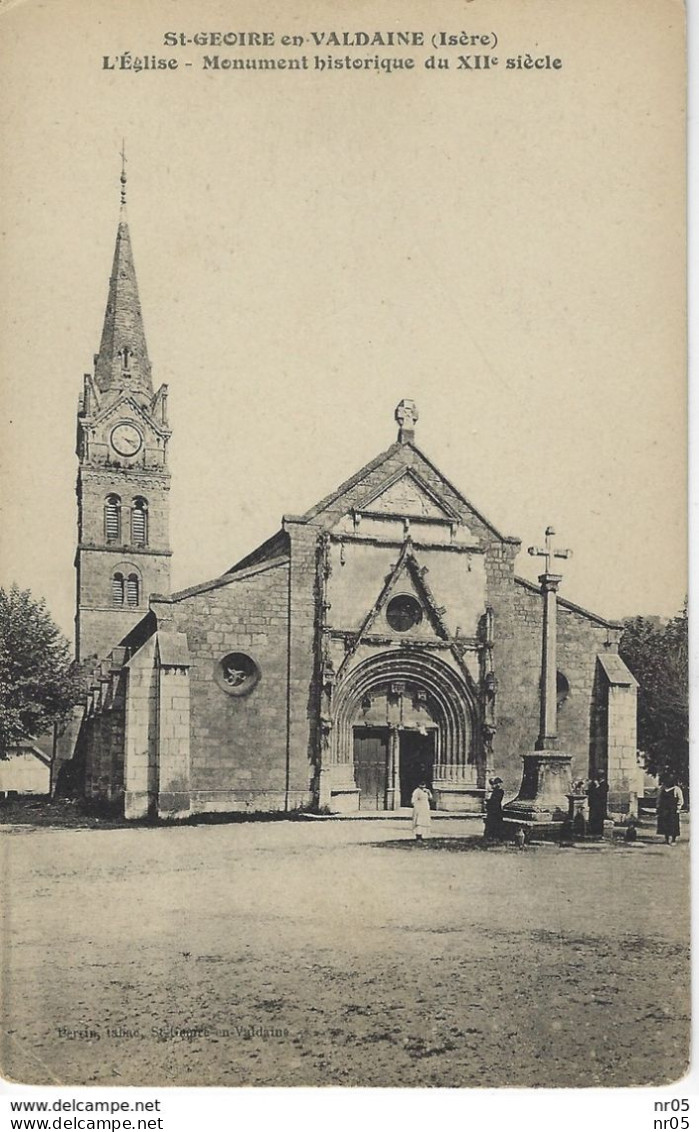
column 343, row 613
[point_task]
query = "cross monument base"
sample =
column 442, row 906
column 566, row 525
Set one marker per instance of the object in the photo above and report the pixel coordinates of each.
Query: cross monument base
column 544, row 794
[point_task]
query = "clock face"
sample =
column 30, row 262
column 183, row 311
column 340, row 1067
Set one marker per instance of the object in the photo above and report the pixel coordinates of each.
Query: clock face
column 126, row 439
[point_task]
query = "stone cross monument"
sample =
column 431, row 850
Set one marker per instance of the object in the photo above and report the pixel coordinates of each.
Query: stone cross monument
column 548, row 716
column 546, row 774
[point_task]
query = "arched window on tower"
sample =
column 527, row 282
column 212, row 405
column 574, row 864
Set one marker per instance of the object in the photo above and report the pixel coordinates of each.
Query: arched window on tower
column 139, row 521
column 112, row 518
column 132, row 589
column 117, row 589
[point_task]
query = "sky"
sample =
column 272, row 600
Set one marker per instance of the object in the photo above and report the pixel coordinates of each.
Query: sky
column 506, row 248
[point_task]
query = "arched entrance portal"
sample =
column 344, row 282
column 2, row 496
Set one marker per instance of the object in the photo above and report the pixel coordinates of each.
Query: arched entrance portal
column 400, row 718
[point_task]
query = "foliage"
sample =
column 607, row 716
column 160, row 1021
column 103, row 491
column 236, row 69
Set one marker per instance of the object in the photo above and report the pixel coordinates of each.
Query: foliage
column 39, row 683
column 658, row 655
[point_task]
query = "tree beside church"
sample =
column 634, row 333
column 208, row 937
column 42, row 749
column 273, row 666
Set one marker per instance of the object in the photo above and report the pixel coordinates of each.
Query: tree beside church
column 657, row 653
column 39, row 683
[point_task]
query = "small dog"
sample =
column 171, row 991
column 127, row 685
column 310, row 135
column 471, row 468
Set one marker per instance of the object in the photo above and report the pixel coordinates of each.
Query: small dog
column 520, row 837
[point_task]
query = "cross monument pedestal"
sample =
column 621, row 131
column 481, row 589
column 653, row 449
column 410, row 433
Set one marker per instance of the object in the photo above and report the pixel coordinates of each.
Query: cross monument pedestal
column 543, row 797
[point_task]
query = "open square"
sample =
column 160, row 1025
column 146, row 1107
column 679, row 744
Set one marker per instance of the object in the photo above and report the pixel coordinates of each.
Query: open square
column 342, row 953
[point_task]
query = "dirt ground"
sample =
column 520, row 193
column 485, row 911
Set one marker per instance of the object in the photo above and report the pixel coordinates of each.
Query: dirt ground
column 340, row 953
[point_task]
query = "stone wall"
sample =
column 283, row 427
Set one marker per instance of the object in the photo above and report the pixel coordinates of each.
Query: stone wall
column 622, row 763
column 239, row 754
column 95, row 484
column 174, row 770
column 141, row 733
column 304, row 691
column 99, row 623
column 102, row 737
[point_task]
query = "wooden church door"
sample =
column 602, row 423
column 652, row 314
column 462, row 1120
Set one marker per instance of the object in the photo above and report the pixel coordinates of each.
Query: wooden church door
column 371, row 767
column 416, row 762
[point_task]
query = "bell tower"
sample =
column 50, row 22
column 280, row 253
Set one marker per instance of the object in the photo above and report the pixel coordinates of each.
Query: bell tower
column 123, row 553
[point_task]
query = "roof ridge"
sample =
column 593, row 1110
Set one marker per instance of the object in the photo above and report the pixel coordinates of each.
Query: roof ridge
column 222, row 580
column 351, row 482
column 564, row 601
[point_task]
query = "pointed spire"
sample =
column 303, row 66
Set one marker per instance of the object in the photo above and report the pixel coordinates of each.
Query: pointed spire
column 122, row 361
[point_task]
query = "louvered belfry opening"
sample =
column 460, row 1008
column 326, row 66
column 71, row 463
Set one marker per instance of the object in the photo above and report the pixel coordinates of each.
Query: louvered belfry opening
column 132, row 590
column 112, row 518
column 139, row 522
column 118, row 589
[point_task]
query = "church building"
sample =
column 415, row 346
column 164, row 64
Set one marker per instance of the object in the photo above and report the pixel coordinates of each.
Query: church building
column 379, row 640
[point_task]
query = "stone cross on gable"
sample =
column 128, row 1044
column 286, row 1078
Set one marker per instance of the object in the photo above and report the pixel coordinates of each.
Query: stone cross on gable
column 406, row 415
column 548, row 551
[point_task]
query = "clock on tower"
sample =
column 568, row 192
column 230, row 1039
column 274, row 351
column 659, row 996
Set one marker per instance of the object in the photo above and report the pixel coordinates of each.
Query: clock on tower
column 123, row 553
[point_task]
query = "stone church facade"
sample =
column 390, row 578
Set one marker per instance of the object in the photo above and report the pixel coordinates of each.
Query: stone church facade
column 380, row 639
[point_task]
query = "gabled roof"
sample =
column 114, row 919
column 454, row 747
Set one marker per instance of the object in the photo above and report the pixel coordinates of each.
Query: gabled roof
column 273, row 547
column 386, row 498
column 347, row 486
column 366, row 485
column 616, row 670
column 406, row 455
column 238, row 574
column 562, row 601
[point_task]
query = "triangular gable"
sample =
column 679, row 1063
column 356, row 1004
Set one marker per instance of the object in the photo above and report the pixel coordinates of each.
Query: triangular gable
column 380, row 473
column 349, row 485
column 406, row 493
column 408, row 566
column 127, row 399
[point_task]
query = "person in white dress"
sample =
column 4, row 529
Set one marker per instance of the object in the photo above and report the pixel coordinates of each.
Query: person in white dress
column 420, row 801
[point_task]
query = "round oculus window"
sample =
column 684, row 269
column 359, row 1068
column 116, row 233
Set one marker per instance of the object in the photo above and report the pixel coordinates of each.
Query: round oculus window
column 237, row 673
column 403, row 613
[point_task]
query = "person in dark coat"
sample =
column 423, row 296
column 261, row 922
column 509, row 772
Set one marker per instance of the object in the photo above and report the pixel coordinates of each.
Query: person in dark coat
column 597, row 794
column 670, row 802
column 493, row 811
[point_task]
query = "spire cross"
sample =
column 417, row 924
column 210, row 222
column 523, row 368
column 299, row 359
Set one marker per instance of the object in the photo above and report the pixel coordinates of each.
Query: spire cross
column 123, row 172
column 548, row 551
